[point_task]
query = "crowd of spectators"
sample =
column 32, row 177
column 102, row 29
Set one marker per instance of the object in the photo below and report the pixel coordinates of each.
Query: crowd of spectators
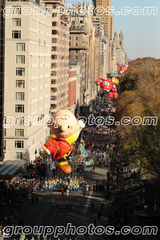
column 13, row 198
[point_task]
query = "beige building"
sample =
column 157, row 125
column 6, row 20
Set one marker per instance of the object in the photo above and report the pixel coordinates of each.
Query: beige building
column 79, row 51
column 59, row 55
column 27, row 80
column 118, row 54
column 107, row 21
column 104, row 56
column 85, row 21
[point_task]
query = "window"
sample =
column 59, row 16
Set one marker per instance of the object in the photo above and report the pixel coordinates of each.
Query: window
column 4, row 132
column 53, row 65
column 81, row 21
column 53, row 89
column 54, row 40
column 16, row 34
column 19, row 120
column 20, row 59
column 76, row 38
column 16, row 22
column 76, row 51
column 4, row 145
column 76, row 57
column 20, row 46
column 53, row 73
column 53, row 106
column 76, row 44
column 20, row 71
column 53, row 98
column 16, row 10
column 53, row 48
column 19, row 144
column 54, row 24
column 53, row 81
column 20, row 84
column 54, row 32
column 53, row 56
column 18, row 155
column 19, row 108
column 20, row 96
column 19, row 132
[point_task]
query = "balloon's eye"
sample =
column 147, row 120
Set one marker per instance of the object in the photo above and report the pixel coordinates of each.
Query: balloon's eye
column 68, row 126
column 58, row 125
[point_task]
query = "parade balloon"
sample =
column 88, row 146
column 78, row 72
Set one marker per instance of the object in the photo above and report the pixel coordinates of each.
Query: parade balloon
column 122, row 69
column 66, row 130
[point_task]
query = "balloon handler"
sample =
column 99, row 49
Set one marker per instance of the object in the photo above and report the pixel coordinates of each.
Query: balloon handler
column 66, row 130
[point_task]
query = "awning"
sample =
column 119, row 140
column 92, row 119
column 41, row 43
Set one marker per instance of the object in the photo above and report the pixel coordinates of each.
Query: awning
column 10, row 168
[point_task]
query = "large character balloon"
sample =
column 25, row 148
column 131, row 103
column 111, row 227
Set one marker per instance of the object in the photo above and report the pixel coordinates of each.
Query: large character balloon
column 109, row 86
column 66, row 130
column 122, row 69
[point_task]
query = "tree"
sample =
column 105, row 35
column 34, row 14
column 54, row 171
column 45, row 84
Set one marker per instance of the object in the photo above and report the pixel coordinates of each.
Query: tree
column 140, row 98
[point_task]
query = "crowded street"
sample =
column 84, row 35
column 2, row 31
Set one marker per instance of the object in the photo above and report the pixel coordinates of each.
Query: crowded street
column 88, row 195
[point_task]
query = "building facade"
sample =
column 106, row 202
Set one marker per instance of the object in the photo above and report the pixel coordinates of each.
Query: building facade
column 79, row 51
column 27, row 80
column 2, row 57
column 118, row 54
column 59, row 55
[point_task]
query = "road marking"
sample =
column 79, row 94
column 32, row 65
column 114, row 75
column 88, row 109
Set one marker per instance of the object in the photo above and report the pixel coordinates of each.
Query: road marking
column 88, row 201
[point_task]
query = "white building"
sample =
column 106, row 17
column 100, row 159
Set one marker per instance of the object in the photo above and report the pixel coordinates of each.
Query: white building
column 27, row 79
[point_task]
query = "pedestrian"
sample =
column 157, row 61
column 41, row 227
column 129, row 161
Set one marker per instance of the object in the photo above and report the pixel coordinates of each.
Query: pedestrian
column 87, row 186
column 62, row 190
column 32, row 199
column 52, row 201
column 99, row 216
column 67, row 192
column 36, row 199
column 84, row 192
column 92, row 206
column 101, row 206
column 70, row 205
column 91, row 172
column 41, row 191
column 54, row 207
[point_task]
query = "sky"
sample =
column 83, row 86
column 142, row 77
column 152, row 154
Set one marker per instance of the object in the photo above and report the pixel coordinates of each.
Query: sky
column 141, row 32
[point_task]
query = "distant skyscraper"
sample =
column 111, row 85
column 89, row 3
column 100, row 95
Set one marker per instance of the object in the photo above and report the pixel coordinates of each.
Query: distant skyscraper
column 107, row 19
column 2, row 41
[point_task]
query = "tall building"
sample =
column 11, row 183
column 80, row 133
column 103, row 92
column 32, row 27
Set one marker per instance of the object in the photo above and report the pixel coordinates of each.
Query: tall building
column 2, row 53
column 74, row 86
column 118, row 54
column 59, row 55
column 104, row 56
column 27, row 80
column 79, row 51
column 107, row 21
column 107, row 18
column 84, row 21
column 97, row 23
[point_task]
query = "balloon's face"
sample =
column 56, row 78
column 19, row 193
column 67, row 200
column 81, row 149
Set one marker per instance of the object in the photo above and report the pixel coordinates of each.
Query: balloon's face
column 107, row 86
column 106, row 83
column 63, row 123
